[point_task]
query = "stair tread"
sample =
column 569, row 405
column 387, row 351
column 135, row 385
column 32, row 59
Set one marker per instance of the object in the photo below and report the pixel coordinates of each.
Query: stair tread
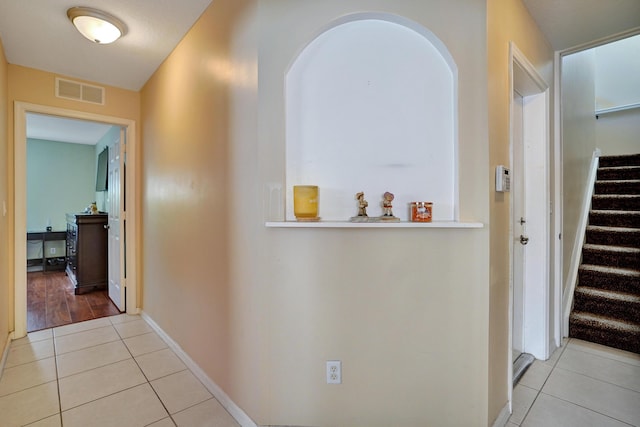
column 611, row 295
column 615, row 212
column 610, row 168
column 627, row 326
column 611, row 248
column 610, row 229
column 630, row 272
column 616, row 196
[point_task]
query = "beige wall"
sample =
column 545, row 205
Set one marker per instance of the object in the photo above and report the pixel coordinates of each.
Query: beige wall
column 6, row 304
column 617, row 133
column 199, row 129
column 578, row 143
column 262, row 309
column 38, row 87
column 508, row 21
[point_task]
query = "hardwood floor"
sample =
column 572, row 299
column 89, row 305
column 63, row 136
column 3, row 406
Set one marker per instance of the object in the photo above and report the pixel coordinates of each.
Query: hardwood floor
column 51, row 302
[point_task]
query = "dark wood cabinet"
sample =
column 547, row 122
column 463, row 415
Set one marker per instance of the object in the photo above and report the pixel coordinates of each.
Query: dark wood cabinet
column 87, row 251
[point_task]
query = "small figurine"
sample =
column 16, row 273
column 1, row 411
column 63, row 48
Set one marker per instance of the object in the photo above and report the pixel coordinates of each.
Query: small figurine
column 386, row 204
column 387, row 213
column 362, row 209
column 362, row 204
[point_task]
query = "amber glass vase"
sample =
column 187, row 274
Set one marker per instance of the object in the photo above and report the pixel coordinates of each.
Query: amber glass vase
column 305, row 202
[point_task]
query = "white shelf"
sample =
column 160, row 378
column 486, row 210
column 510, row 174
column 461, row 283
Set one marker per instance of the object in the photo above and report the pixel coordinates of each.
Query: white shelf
column 349, row 224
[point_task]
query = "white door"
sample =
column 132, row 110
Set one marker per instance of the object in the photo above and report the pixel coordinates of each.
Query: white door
column 115, row 194
column 531, row 212
column 518, row 225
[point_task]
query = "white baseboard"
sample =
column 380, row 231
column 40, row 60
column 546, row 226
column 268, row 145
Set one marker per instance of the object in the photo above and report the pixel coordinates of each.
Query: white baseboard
column 502, row 419
column 576, row 254
column 238, row 414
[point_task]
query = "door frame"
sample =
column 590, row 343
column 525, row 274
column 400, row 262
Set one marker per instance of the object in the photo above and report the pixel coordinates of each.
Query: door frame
column 20, row 204
column 542, row 312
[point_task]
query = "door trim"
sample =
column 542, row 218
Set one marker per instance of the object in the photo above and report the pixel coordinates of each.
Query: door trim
column 20, row 203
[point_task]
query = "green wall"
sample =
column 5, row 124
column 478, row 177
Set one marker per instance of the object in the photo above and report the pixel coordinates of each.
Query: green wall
column 61, row 178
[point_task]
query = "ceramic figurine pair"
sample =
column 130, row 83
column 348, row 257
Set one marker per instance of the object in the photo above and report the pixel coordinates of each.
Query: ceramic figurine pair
column 387, row 213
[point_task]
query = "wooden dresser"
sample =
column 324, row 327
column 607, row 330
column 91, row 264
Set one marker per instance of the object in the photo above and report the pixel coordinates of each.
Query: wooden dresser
column 87, row 251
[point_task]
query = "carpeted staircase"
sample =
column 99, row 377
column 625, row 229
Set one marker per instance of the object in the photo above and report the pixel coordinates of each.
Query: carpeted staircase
column 606, row 307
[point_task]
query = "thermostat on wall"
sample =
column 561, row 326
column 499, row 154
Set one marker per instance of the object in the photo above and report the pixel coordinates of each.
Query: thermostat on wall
column 503, row 179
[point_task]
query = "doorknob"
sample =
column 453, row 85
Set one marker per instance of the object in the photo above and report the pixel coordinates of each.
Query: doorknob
column 524, row 240
column 106, row 226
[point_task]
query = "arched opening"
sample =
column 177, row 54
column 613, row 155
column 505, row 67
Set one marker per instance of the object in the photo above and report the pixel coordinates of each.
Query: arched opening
column 371, row 105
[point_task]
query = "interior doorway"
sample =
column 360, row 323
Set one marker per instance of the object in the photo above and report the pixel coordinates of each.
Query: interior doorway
column 20, row 280
column 68, row 163
column 530, row 224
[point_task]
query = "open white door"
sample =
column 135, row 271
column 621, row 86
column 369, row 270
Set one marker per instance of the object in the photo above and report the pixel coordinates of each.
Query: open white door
column 518, row 224
column 531, row 211
column 115, row 194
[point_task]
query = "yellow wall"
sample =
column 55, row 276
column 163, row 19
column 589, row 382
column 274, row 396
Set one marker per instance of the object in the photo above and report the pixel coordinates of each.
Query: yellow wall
column 262, row 309
column 508, row 20
column 38, row 87
column 6, row 304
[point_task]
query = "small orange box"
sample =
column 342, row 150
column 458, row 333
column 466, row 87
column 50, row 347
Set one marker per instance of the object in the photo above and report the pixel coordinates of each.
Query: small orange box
column 421, row 211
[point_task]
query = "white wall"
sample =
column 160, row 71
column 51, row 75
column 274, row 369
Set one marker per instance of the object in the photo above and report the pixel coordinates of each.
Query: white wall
column 371, row 106
column 619, row 132
column 617, row 73
column 578, row 142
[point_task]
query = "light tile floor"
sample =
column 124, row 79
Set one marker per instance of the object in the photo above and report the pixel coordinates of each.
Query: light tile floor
column 112, row 371
column 581, row 385
column 116, row 371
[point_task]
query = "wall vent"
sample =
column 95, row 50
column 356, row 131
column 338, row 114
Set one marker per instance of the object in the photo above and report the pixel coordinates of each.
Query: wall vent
column 77, row 91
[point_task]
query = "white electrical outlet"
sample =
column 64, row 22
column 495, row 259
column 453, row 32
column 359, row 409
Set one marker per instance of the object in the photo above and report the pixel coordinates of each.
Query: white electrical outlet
column 52, row 251
column 334, row 372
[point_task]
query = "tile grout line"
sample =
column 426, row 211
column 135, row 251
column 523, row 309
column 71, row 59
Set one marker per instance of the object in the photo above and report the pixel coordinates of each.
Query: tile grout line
column 111, row 394
column 562, row 348
column 554, row 367
column 145, row 375
column 587, row 408
column 55, row 358
column 582, row 374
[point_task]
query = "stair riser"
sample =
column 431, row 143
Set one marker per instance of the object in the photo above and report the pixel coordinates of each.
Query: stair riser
column 605, row 174
column 605, row 336
column 598, row 237
column 607, row 219
column 619, row 310
column 615, row 161
column 610, row 259
column 612, row 282
column 617, row 187
column 614, row 174
column 618, row 204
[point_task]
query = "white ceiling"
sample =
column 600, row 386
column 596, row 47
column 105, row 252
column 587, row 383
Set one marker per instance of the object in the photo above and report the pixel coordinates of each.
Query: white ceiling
column 50, row 128
column 38, row 34
column 571, row 23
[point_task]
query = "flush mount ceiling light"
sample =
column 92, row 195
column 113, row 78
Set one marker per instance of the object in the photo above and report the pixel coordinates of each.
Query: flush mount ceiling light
column 96, row 25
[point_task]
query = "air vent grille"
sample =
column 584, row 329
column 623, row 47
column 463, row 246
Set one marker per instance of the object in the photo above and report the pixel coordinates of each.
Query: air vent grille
column 77, row 91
